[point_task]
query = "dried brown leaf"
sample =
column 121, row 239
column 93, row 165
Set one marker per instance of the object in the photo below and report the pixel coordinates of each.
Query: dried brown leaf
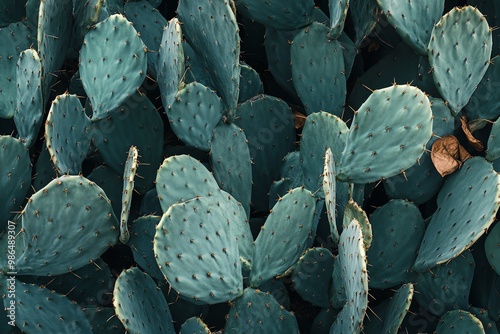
column 476, row 143
column 448, row 155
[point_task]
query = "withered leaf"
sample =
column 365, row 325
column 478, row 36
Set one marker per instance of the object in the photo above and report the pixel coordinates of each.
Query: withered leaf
column 448, row 155
column 476, row 143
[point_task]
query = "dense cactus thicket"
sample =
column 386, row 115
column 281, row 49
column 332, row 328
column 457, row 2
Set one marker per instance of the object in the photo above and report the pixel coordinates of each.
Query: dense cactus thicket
column 249, row 166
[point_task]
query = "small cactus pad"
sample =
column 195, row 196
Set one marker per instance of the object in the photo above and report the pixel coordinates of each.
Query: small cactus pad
column 15, row 176
column 352, row 262
column 66, row 224
column 284, row 236
column 365, row 15
column 492, row 247
column 181, row 178
column 318, row 70
column 67, row 134
column 459, row 321
column 128, row 190
column 258, row 312
column 459, row 53
column 170, row 63
column 112, row 64
column 398, row 308
column 139, row 305
column 338, row 13
column 211, row 29
column 484, row 103
column 196, row 251
column 29, row 108
column 86, row 14
column 330, row 188
column 194, row 325
column 447, row 286
column 398, row 229
column 39, row 310
column 413, row 20
column 250, row 83
column 493, row 151
column 375, row 146
column 194, row 114
column 353, row 211
column 467, row 204
column 111, row 183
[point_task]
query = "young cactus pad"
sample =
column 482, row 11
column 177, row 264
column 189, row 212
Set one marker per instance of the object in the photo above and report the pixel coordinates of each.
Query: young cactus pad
column 128, row 189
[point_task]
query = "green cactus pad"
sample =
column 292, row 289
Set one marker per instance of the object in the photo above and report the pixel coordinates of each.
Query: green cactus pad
column 29, row 108
column 149, row 23
column 269, row 128
column 330, row 190
column 312, row 274
column 15, row 177
column 66, row 224
column 459, row 53
column 12, row 11
column 446, row 286
column 467, row 204
column 231, row 162
column 86, row 14
column 14, row 38
column 139, row 305
column 353, row 211
column 112, row 64
column 492, row 246
column 211, row 29
column 128, row 190
column 142, row 235
column 278, row 289
column 182, row 309
column 194, row 325
column 181, row 178
column 324, row 320
column 67, row 134
column 493, row 151
column 258, row 312
column 250, row 83
column 321, row 131
column 489, row 325
column 135, row 123
column 352, row 262
column 318, row 70
column 459, row 321
column 398, row 229
column 196, row 251
column 365, row 15
column 413, row 21
column 170, row 63
column 194, row 114
column 338, row 13
column 195, row 70
column 284, row 236
column 39, row 310
column 484, row 103
column 375, row 147
column 398, row 308
column 150, row 204
column 278, row 14
column 44, row 169
column 103, row 320
column 111, row 183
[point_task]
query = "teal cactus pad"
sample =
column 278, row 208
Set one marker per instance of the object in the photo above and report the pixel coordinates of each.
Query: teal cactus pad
column 112, row 64
column 211, row 29
column 181, row 178
column 490, row 327
column 493, row 151
column 103, row 320
column 338, row 13
column 484, row 103
column 170, row 63
column 15, row 175
column 194, row 325
column 135, row 123
column 258, row 312
column 330, row 191
column 278, row 289
column 278, row 14
column 142, row 233
column 44, row 169
column 312, row 274
column 446, row 286
column 39, row 310
column 194, row 114
column 365, row 15
column 412, row 20
column 467, row 204
column 375, row 148
column 111, row 183
column 12, row 11
column 86, row 14
column 352, row 262
column 250, row 83
column 139, row 305
column 196, row 251
column 492, row 248
column 128, row 190
column 195, row 70
column 324, row 320
column 284, row 236
column 71, row 219
column 318, row 70
column 459, row 321
column 353, row 211
column 14, row 38
column 459, row 53
column 149, row 23
column 269, row 129
column 398, row 308
column 231, row 162
column 321, row 131
column 398, row 229
column 29, row 107
column 150, row 204
column 67, row 134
